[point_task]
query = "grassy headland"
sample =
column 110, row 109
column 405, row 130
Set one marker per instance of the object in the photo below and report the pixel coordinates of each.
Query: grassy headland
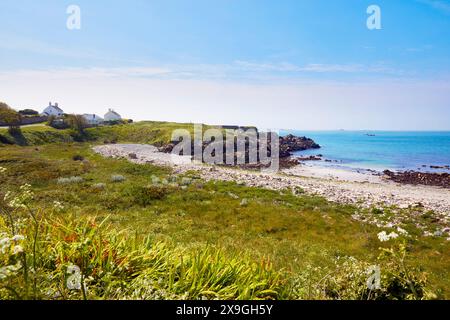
column 151, row 132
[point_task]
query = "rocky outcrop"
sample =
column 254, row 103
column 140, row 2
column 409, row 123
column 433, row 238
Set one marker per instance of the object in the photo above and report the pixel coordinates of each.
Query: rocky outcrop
column 423, row 178
column 291, row 143
column 310, row 158
column 288, row 145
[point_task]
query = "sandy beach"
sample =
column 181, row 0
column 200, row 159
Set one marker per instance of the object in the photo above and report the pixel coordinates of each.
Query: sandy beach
column 337, row 185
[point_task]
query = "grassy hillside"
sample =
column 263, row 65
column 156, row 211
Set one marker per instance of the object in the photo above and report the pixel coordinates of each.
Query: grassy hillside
column 138, row 231
column 150, row 132
column 35, row 135
column 140, row 132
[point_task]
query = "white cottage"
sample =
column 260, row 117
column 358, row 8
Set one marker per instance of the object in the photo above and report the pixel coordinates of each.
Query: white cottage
column 111, row 115
column 52, row 110
column 92, row 119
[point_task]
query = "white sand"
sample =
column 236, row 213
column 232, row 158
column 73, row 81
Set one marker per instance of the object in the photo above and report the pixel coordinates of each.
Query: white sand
column 331, row 173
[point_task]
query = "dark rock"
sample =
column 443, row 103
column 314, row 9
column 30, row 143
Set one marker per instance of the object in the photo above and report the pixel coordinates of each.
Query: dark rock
column 310, row 158
column 438, row 167
column 167, row 148
column 288, row 145
column 414, row 177
column 291, row 143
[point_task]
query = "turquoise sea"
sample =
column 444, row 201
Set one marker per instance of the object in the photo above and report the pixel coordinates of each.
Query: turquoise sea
column 380, row 150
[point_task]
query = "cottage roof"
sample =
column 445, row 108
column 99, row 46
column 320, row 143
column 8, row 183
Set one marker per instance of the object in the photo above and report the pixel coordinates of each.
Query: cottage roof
column 113, row 112
column 57, row 108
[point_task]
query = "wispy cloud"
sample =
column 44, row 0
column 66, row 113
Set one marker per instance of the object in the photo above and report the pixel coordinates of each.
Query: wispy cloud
column 440, row 5
column 316, row 68
column 289, row 67
column 237, row 69
column 24, row 44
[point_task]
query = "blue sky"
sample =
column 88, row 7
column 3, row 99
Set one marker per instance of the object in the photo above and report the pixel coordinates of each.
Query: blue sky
column 290, row 63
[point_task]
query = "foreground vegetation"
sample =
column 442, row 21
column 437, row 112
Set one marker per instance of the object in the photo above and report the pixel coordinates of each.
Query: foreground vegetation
column 141, row 232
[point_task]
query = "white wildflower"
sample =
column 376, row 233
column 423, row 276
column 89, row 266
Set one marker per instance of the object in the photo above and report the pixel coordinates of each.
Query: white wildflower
column 402, row 231
column 4, row 244
column 58, row 206
column 16, row 203
column 74, row 278
column 7, row 271
column 383, row 237
column 18, row 237
column 17, row 249
column 7, row 195
column 20, row 200
column 244, row 203
column 2, row 170
column 393, row 235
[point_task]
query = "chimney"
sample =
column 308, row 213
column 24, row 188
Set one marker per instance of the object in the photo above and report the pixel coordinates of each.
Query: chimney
column 56, row 104
column 50, row 104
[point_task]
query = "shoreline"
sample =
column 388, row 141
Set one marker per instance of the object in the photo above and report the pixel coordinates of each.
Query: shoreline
column 335, row 185
column 315, row 166
column 316, row 161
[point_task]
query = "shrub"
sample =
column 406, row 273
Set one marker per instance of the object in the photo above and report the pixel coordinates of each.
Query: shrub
column 145, row 195
column 29, row 112
column 78, row 123
column 77, row 157
column 99, row 186
column 10, row 117
column 377, row 211
column 71, row 180
column 57, row 123
column 117, row 178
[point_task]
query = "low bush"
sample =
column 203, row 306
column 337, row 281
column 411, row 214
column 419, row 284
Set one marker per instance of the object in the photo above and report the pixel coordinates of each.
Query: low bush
column 77, row 157
column 99, row 186
column 71, row 180
column 117, row 178
column 146, row 195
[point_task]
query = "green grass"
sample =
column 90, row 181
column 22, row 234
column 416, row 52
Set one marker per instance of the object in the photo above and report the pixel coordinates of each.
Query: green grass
column 294, row 233
column 35, row 135
column 152, row 132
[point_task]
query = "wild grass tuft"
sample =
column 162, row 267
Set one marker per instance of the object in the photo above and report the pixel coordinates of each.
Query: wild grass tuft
column 117, row 178
column 70, row 180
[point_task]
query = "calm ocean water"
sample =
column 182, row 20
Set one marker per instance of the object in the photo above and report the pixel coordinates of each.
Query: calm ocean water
column 380, row 150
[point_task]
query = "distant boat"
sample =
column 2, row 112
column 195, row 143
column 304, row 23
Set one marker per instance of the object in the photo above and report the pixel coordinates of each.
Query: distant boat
column 370, row 135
